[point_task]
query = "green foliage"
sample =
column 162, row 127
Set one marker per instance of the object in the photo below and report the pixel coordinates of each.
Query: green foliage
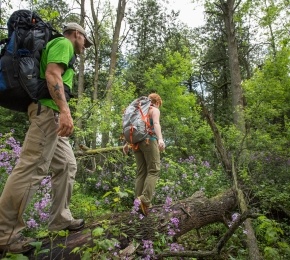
column 38, row 250
column 161, row 242
column 152, row 26
column 103, row 247
column 48, row 15
column 117, row 195
column 268, row 95
column 112, row 170
column 84, row 205
column 233, row 138
column 267, row 113
column 158, row 60
column 15, row 257
column 271, row 235
column 180, row 115
column 180, row 179
column 269, row 230
column 92, row 114
column 11, row 120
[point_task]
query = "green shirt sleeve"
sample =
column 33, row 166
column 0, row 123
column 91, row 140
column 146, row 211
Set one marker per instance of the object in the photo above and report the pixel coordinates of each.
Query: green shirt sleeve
column 59, row 50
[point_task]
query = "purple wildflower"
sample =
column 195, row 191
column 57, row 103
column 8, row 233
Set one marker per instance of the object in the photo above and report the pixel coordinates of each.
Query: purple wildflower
column 235, row 217
column 171, row 232
column 175, row 222
column 31, row 223
column 167, row 204
column 174, row 247
column 148, row 249
column 206, row 164
column 136, row 206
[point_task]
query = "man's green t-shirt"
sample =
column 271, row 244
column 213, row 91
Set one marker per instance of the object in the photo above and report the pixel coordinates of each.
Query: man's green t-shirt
column 59, row 50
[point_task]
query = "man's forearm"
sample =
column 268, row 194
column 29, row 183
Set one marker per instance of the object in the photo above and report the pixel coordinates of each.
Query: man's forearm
column 57, row 93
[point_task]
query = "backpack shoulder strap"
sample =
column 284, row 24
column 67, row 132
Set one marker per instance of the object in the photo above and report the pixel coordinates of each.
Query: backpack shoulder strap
column 72, row 61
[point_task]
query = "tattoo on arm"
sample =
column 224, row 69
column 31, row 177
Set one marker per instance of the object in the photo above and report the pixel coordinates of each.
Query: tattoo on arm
column 56, row 87
column 57, row 92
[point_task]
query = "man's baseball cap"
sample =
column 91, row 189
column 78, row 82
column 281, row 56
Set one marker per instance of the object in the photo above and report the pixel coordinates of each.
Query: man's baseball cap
column 77, row 27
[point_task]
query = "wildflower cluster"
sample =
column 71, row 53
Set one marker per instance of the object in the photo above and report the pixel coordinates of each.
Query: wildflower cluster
column 9, row 155
column 173, row 226
column 175, row 247
column 183, row 178
column 39, row 213
column 110, row 175
column 172, row 230
column 9, row 152
column 148, row 249
column 167, row 204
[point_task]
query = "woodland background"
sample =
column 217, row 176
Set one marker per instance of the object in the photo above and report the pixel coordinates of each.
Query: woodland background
column 225, row 117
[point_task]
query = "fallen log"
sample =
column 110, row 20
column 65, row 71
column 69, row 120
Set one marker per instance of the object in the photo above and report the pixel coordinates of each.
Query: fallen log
column 84, row 150
column 221, row 243
column 194, row 212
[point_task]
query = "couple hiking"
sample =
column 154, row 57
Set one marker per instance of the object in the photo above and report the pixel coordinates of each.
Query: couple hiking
column 46, row 146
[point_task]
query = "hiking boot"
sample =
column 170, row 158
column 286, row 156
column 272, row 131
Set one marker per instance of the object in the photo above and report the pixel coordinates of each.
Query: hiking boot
column 143, row 207
column 20, row 245
column 75, row 225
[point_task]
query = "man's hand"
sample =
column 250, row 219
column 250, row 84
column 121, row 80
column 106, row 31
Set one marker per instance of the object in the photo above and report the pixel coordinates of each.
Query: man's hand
column 66, row 125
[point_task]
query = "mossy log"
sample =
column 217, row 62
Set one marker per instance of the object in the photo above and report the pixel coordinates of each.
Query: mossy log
column 193, row 213
column 84, row 150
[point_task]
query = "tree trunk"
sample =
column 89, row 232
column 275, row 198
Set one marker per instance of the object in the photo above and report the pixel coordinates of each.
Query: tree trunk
column 81, row 72
column 96, row 45
column 251, row 237
column 228, row 7
column 235, row 72
column 115, row 45
column 96, row 73
column 230, row 169
column 270, row 24
column 218, row 140
column 113, row 61
column 193, row 213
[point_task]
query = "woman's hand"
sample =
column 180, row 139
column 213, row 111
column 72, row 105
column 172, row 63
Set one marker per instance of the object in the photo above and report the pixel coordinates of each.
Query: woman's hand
column 161, row 145
column 126, row 148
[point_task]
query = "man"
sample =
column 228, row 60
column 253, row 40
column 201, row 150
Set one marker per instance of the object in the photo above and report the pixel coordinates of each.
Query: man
column 147, row 157
column 46, row 145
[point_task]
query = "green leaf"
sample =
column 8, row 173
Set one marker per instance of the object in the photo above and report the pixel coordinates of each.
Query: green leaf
column 98, row 232
column 107, row 194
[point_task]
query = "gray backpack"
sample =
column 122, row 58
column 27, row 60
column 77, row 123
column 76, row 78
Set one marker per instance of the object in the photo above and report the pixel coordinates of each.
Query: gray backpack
column 136, row 121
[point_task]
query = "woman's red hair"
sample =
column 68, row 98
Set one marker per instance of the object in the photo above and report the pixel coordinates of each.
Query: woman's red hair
column 155, row 98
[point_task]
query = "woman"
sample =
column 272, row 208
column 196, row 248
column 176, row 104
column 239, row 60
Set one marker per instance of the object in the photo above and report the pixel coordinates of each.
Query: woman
column 147, row 157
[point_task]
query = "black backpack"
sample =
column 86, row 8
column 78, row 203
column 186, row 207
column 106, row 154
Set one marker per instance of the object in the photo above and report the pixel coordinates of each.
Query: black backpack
column 20, row 83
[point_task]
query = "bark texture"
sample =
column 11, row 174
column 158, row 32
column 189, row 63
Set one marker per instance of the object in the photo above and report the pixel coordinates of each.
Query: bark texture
column 228, row 8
